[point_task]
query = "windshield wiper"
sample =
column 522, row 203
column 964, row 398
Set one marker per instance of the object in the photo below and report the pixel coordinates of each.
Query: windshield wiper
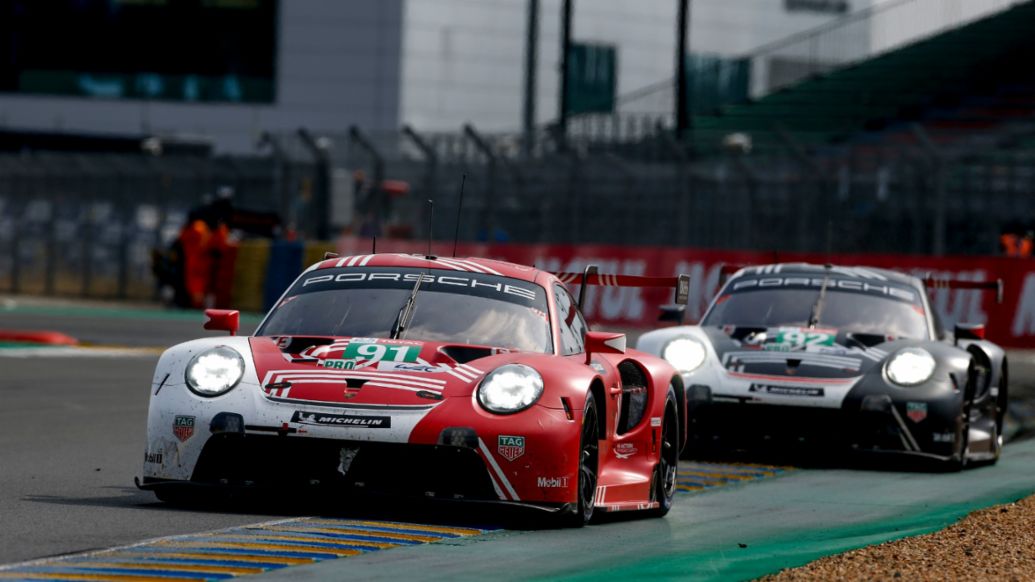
column 402, row 321
column 817, row 307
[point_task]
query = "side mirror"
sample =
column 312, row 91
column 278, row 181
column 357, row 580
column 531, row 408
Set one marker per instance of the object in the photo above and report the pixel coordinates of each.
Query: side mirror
column 969, row 331
column 672, row 313
column 223, row 320
column 602, row 342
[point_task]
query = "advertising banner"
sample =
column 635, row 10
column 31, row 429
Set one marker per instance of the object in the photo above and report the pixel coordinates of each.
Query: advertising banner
column 1011, row 323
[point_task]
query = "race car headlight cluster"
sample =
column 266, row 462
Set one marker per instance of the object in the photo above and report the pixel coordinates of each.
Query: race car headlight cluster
column 510, row 388
column 910, row 366
column 215, row 371
column 684, row 353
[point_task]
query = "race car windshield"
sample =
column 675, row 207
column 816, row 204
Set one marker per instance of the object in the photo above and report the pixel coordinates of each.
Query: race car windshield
column 454, row 307
column 866, row 312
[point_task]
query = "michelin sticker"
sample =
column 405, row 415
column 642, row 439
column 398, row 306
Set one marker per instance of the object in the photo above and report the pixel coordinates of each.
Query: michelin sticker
column 319, row 418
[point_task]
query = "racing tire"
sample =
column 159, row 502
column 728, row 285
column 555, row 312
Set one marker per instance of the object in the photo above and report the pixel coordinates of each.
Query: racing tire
column 999, row 411
column 696, row 445
column 581, row 513
column 997, row 445
column 1002, row 403
column 663, row 484
column 192, row 498
column 176, row 496
column 958, row 461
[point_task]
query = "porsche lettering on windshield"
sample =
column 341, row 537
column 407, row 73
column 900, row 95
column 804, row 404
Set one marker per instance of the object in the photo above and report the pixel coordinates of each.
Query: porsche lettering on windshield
column 452, row 280
column 386, row 303
column 849, row 305
column 817, row 282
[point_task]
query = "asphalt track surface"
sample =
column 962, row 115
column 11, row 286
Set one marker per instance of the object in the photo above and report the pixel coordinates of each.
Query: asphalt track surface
column 72, row 433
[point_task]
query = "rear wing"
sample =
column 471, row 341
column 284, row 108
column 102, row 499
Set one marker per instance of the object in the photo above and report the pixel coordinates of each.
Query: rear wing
column 728, row 269
column 592, row 276
column 929, row 281
column 995, row 285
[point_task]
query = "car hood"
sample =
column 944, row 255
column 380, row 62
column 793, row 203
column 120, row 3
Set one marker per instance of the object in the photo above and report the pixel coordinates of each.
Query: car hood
column 796, row 352
column 371, row 372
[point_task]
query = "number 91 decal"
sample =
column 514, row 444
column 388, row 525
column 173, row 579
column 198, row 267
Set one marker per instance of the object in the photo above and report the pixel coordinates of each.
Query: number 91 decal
column 372, row 353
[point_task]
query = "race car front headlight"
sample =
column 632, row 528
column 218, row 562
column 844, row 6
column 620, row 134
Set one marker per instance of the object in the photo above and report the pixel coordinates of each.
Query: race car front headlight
column 684, row 353
column 215, row 371
column 510, row 388
column 910, row 366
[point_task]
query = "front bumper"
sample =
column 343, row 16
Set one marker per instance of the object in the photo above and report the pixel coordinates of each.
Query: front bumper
column 874, row 423
column 451, row 450
column 277, row 462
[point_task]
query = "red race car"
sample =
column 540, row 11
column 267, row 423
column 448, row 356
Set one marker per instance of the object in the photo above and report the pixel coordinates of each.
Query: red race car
column 465, row 379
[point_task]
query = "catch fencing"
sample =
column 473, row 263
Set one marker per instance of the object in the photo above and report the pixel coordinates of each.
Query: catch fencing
column 630, row 182
column 84, row 224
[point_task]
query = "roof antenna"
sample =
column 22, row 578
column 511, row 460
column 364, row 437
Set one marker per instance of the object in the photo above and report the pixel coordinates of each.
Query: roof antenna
column 431, row 224
column 459, row 206
column 830, row 239
column 373, row 245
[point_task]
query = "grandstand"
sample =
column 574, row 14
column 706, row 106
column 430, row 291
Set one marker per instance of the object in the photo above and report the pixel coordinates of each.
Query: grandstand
column 963, row 87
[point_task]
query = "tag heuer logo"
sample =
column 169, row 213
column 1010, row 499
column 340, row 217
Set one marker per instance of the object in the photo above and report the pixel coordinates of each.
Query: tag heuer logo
column 511, row 447
column 183, row 427
column 916, row 411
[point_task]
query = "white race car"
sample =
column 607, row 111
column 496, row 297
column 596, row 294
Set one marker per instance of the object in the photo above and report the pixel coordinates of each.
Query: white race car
column 463, row 379
column 843, row 357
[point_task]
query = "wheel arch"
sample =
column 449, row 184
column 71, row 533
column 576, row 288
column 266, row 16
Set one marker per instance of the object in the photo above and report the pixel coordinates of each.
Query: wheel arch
column 994, row 356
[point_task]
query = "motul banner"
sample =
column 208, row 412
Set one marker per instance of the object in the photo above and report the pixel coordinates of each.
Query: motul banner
column 1011, row 323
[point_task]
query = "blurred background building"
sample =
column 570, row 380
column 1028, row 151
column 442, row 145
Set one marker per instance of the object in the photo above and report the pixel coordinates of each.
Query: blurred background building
column 229, row 70
column 881, row 126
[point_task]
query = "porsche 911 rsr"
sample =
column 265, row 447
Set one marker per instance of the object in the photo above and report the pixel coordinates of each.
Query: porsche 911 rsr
column 461, row 379
column 838, row 356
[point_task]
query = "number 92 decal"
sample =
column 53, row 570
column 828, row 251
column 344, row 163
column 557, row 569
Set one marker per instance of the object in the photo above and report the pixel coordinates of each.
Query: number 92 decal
column 792, row 338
